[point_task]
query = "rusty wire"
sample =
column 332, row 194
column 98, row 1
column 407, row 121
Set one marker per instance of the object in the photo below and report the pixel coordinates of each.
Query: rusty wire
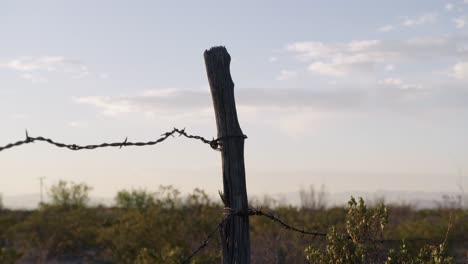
column 228, row 213
column 214, row 143
column 288, row 227
column 255, row 212
column 207, row 240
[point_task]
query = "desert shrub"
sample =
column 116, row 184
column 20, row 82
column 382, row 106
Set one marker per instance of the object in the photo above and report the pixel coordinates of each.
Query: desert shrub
column 54, row 231
column 165, row 227
column 9, row 256
column 428, row 254
column 134, row 199
column 63, row 227
column 69, row 194
column 168, row 197
column 312, row 199
column 362, row 226
column 198, row 198
column 166, row 255
column 166, row 231
column 359, row 242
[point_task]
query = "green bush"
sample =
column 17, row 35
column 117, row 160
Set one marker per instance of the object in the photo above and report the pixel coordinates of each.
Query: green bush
column 359, row 243
column 69, row 194
column 165, row 227
column 55, row 231
column 163, row 231
column 9, row 256
column 134, row 199
column 63, row 227
column 428, row 254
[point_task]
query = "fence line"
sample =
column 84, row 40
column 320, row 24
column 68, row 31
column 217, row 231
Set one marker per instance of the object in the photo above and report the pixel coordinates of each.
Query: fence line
column 207, row 240
column 270, row 216
column 214, row 143
column 228, row 212
column 273, row 218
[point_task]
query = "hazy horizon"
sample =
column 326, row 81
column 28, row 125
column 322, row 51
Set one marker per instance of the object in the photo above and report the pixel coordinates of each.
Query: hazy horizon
column 416, row 200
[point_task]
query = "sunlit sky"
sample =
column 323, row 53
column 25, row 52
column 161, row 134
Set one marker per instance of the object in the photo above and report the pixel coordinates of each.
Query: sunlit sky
column 356, row 95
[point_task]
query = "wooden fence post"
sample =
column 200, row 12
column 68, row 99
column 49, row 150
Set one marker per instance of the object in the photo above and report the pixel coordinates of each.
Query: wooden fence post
column 235, row 234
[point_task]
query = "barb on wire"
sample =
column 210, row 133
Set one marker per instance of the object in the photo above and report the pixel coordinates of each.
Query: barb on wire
column 207, row 240
column 214, row 143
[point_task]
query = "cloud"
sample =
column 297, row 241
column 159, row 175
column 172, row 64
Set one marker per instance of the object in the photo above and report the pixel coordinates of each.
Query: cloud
column 391, row 93
column 104, row 76
column 424, row 19
column 286, row 75
column 152, row 102
column 398, row 83
column 311, row 49
column 178, row 101
column 370, row 56
column 318, row 99
column 362, row 66
column 272, row 59
column 110, row 105
column 32, row 68
column 426, row 41
column 19, row 116
column 34, row 78
column 339, row 59
column 363, row 44
column 460, row 22
column 411, row 86
column 448, row 7
column 291, row 111
column 387, row 28
column 77, row 124
column 390, row 67
column 330, row 69
column 460, row 70
column 391, row 81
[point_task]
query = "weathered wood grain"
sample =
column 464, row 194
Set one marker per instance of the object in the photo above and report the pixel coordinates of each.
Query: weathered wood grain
column 235, row 234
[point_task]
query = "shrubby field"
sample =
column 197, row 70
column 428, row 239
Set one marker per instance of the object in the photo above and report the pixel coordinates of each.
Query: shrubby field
column 164, row 227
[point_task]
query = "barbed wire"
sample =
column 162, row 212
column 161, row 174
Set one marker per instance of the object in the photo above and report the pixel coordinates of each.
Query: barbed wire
column 207, row 240
column 256, row 212
column 228, row 213
column 214, row 143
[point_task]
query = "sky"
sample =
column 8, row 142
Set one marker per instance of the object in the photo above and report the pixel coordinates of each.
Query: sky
column 355, row 95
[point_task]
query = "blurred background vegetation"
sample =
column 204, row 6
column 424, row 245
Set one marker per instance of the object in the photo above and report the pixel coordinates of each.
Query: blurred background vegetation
column 165, row 227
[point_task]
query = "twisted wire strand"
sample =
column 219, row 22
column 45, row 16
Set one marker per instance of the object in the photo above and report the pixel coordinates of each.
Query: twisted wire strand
column 207, row 240
column 273, row 218
column 214, row 143
column 255, row 212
